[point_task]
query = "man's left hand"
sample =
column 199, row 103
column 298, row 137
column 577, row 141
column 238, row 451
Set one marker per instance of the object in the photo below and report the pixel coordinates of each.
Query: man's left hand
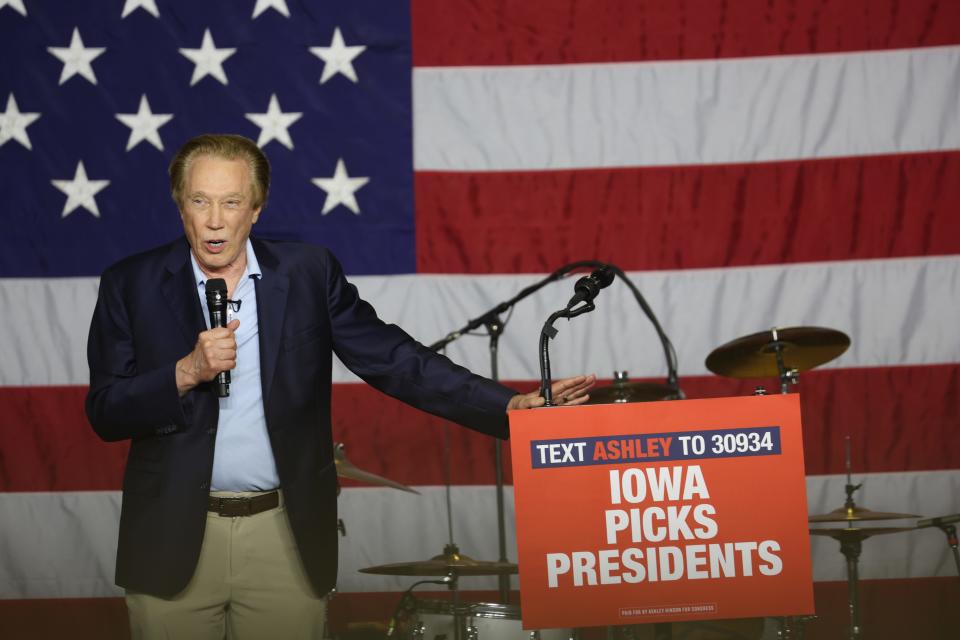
column 566, row 392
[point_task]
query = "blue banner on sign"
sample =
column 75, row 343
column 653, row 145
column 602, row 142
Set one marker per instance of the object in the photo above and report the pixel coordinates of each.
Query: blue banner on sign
column 655, row 447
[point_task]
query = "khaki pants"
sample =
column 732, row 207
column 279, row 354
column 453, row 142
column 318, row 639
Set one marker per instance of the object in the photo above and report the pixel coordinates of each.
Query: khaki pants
column 249, row 584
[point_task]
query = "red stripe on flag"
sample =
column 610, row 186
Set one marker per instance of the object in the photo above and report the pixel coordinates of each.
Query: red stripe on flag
column 46, row 443
column 468, row 33
column 690, row 217
column 899, row 419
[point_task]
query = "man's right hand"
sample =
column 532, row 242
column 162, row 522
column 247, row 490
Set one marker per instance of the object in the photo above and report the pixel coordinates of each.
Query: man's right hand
column 215, row 351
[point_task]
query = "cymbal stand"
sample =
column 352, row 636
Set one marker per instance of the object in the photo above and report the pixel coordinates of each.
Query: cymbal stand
column 787, row 376
column 327, row 633
column 951, row 532
column 793, row 627
column 457, row 615
column 945, row 524
column 451, row 549
column 851, row 547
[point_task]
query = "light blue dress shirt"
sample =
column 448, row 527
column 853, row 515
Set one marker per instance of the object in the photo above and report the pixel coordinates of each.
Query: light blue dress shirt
column 242, row 459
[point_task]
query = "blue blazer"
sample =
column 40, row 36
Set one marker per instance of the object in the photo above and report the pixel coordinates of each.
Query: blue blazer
column 148, row 316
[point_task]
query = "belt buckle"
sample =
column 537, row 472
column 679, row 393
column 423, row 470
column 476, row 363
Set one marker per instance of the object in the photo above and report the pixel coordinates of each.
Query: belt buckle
column 235, row 507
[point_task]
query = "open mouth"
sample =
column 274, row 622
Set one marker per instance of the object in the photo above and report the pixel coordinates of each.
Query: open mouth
column 215, row 245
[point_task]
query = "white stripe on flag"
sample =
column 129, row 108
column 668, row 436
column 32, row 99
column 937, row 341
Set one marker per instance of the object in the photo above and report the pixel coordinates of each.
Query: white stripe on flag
column 897, row 311
column 63, row 544
column 686, row 112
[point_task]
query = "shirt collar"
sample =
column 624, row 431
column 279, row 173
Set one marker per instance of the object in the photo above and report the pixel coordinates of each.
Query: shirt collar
column 252, row 270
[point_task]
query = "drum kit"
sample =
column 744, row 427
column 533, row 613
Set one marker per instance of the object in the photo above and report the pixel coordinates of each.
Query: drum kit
column 781, row 353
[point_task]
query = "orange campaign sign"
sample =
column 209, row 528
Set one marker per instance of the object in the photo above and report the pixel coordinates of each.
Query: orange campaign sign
column 661, row 511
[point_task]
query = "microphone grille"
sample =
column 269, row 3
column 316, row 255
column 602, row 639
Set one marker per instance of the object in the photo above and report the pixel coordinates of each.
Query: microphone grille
column 216, row 290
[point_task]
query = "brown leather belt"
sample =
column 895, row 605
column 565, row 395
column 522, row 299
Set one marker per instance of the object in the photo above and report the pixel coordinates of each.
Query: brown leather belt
column 234, row 507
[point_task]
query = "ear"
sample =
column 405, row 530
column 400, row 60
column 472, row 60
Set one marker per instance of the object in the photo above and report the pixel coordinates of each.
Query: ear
column 256, row 214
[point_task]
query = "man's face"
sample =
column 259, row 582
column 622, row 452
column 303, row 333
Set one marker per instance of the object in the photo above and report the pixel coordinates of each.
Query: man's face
column 216, row 212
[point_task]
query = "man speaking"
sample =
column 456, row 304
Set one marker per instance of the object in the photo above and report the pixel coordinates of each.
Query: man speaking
column 228, row 526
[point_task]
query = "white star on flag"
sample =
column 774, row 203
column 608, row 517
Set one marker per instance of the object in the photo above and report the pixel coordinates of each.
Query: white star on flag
column 144, row 125
column 14, row 123
column 274, row 124
column 340, row 189
column 338, row 57
column 16, row 5
column 76, row 58
column 80, row 191
column 263, row 5
column 129, row 6
column 208, row 59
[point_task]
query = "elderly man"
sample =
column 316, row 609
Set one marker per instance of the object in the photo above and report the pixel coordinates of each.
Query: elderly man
column 228, row 524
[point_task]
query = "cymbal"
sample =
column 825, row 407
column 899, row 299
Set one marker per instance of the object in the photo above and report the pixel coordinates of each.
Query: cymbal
column 346, row 469
column 753, row 356
column 629, row 392
column 444, row 564
column 853, row 533
column 844, row 514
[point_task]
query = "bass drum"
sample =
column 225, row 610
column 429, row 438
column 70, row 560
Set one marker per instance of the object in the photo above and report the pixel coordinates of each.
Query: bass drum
column 485, row 621
column 422, row 619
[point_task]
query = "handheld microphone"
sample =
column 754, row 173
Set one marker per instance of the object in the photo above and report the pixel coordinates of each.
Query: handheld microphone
column 587, row 287
column 216, row 290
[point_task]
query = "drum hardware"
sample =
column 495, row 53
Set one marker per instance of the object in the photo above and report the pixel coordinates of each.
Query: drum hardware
column 855, row 514
column 781, row 353
column 793, row 627
column 622, row 391
column 851, row 539
column 346, row 469
column 423, row 619
column 945, row 524
column 450, row 563
column 407, row 606
column 327, row 633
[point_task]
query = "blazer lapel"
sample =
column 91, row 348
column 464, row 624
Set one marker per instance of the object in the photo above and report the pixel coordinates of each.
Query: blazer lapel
column 271, row 308
column 180, row 291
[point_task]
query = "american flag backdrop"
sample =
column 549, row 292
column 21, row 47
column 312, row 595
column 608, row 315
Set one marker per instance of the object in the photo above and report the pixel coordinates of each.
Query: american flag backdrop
column 751, row 164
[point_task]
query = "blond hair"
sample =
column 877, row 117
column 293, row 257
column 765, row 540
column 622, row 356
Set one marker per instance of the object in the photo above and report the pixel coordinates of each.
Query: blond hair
column 229, row 147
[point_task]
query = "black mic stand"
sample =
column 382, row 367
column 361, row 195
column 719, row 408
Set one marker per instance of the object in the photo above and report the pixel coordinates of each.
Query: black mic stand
column 494, row 325
column 546, row 334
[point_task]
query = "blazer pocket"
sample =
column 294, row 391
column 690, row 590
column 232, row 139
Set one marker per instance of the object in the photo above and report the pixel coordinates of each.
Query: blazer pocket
column 303, row 338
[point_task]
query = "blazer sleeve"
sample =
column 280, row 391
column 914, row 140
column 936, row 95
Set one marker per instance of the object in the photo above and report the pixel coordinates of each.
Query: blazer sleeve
column 389, row 359
column 124, row 401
